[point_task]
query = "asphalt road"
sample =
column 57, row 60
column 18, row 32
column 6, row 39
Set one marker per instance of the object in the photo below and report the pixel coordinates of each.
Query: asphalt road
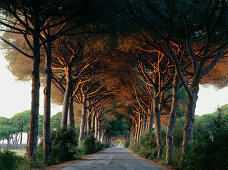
column 117, row 158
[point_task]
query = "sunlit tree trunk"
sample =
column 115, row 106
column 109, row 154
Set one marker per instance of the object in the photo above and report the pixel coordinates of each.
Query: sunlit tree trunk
column 66, row 97
column 70, row 117
column 33, row 128
column 88, row 123
column 99, row 130
column 83, row 117
column 93, row 121
column 96, row 128
column 157, row 122
column 47, row 104
column 172, row 119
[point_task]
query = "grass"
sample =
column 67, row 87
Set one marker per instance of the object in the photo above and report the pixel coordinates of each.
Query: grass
column 19, row 152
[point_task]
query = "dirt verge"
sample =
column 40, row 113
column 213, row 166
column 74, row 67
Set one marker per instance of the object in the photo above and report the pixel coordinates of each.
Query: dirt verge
column 159, row 165
column 62, row 165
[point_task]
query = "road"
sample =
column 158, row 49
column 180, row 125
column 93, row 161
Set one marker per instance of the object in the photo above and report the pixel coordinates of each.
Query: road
column 117, row 158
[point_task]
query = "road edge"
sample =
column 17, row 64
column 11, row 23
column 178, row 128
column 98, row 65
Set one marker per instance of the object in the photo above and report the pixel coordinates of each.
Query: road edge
column 65, row 164
column 153, row 162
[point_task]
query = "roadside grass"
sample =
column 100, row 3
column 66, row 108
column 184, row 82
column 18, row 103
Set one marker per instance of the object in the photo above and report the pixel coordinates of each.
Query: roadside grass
column 19, row 152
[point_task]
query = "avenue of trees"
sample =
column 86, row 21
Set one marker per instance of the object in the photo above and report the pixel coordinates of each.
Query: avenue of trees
column 135, row 63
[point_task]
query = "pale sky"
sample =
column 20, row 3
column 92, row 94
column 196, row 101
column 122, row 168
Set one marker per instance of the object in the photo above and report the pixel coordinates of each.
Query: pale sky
column 15, row 96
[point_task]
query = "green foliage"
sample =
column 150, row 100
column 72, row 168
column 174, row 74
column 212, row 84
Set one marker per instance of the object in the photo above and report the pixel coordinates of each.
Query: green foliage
column 127, row 144
column 20, row 120
column 89, row 144
column 213, row 147
column 146, row 146
column 40, row 126
column 64, row 145
column 6, row 131
column 116, row 127
column 64, row 142
column 3, row 120
column 55, row 121
column 9, row 160
column 178, row 131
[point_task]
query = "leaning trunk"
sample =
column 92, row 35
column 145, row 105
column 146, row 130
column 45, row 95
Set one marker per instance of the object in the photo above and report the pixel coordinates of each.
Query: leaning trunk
column 189, row 118
column 70, row 118
column 172, row 119
column 157, row 122
column 66, row 98
column 83, row 117
column 33, row 128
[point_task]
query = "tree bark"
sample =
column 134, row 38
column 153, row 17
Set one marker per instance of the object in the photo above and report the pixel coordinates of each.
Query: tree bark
column 66, row 97
column 21, row 138
column 172, row 119
column 88, row 127
column 93, row 120
column 98, row 131
column 47, row 104
column 82, row 126
column 151, row 121
column 189, row 118
column 96, row 128
column 157, row 122
column 33, row 129
column 70, row 118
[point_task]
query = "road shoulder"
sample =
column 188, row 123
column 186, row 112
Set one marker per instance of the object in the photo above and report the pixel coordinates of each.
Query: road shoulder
column 65, row 164
column 159, row 165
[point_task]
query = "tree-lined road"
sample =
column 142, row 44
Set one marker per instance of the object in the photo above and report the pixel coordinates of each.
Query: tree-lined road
column 117, row 158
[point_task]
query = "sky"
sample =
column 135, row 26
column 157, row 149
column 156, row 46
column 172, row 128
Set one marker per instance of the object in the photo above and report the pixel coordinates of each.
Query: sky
column 15, row 96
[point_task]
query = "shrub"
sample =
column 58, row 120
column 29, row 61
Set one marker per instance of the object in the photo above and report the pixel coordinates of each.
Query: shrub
column 99, row 146
column 146, row 146
column 211, row 152
column 127, row 144
column 8, row 160
column 64, row 142
column 89, row 144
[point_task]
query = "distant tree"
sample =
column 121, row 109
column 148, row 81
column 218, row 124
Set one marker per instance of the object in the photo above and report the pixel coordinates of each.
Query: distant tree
column 20, row 121
column 56, row 121
column 6, row 130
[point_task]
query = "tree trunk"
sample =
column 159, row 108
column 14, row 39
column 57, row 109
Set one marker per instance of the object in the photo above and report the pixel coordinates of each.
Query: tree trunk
column 138, row 130
column 21, row 138
column 93, row 120
column 47, row 104
column 144, row 124
column 88, row 127
column 151, row 122
column 157, row 122
column 33, row 128
column 189, row 118
column 66, row 97
column 102, row 136
column 85, row 128
column 98, row 131
column 70, row 118
column 172, row 119
column 96, row 128
column 82, row 126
